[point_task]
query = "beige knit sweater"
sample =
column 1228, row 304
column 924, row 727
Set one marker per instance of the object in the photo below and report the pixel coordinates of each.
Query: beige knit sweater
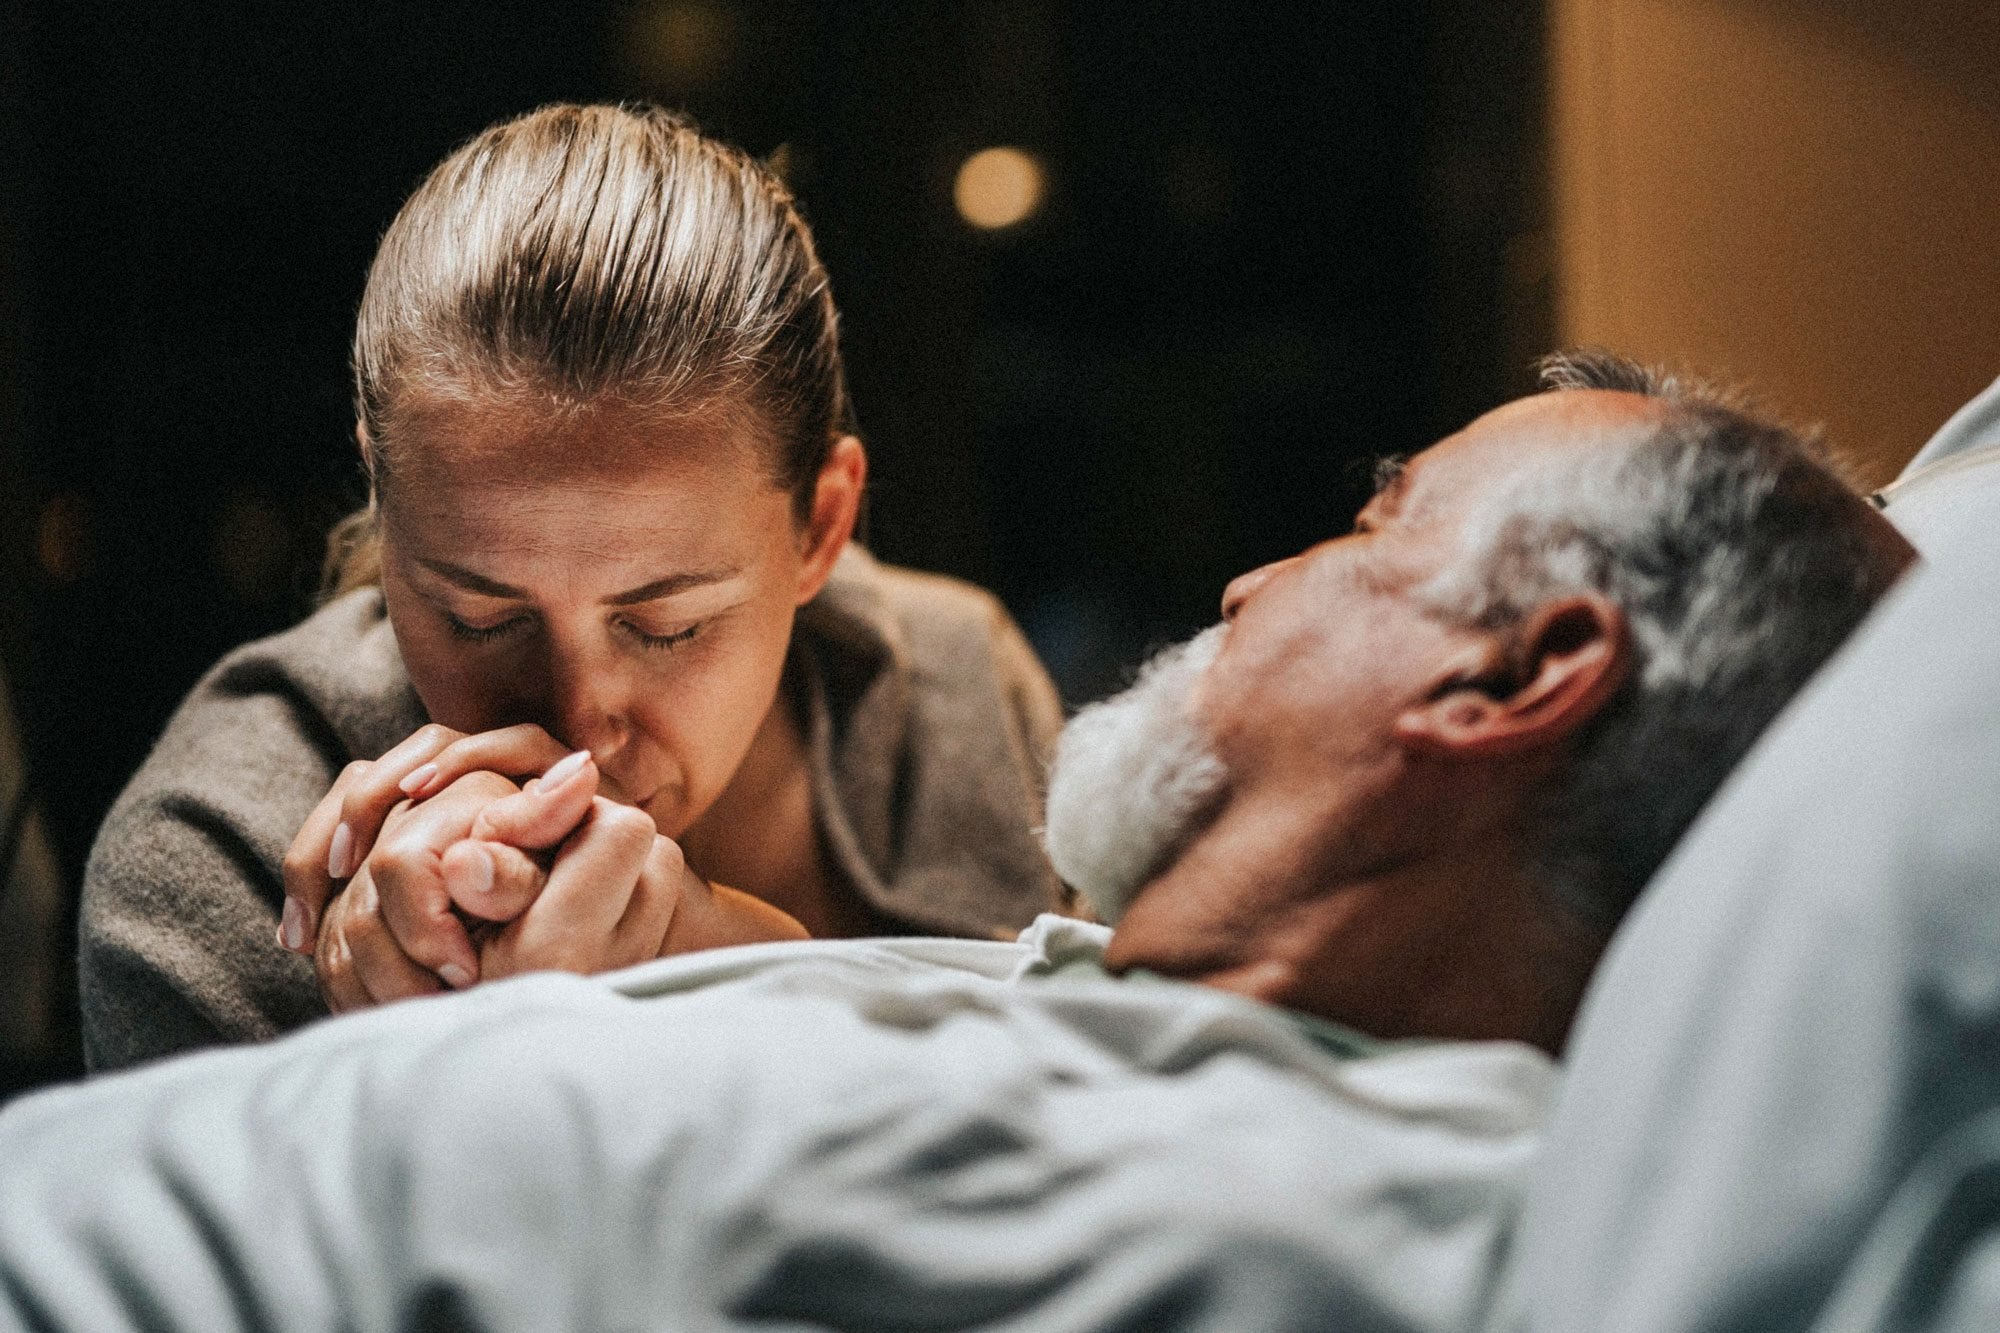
column 929, row 725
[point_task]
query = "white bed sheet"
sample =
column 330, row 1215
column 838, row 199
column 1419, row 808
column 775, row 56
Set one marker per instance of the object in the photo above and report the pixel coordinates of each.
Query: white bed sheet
column 872, row 1135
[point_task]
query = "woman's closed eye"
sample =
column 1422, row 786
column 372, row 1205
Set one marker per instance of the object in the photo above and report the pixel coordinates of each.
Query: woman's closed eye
column 473, row 633
column 481, row 633
column 672, row 639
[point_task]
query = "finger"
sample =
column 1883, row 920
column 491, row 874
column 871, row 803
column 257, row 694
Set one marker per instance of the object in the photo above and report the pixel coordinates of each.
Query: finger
column 545, row 813
column 570, row 925
column 408, row 872
column 421, row 926
column 333, row 961
column 491, row 880
column 516, row 751
column 304, row 868
column 383, row 970
column 664, row 884
column 372, row 794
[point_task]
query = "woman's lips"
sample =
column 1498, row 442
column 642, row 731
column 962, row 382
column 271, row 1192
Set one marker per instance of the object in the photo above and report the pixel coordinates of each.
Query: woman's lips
column 611, row 789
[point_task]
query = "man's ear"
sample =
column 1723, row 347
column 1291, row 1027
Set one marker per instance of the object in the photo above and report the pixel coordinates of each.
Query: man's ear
column 836, row 505
column 1556, row 671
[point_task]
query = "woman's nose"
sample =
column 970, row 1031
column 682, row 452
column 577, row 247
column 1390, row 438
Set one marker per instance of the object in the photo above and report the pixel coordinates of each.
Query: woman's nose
column 1244, row 586
column 587, row 707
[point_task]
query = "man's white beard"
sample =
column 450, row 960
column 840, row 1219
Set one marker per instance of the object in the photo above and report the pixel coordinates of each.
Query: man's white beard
column 1133, row 780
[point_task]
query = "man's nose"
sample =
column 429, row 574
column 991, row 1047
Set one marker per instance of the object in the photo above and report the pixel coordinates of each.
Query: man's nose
column 1244, row 586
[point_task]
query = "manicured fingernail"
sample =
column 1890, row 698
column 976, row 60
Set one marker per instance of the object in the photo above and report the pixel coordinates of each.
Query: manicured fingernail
column 292, row 930
column 339, row 850
column 564, row 769
column 455, row 976
column 418, row 779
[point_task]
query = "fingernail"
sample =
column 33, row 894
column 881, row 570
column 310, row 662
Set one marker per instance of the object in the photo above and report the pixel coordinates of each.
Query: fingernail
column 339, row 850
column 455, row 976
column 292, row 930
column 418, row 779
column 478, row 871
column 564, row 769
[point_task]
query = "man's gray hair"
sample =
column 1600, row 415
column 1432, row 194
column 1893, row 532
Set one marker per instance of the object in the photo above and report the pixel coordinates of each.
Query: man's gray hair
column 1741, row 561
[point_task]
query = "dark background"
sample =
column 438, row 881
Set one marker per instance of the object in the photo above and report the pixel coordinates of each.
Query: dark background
column 1280, row 240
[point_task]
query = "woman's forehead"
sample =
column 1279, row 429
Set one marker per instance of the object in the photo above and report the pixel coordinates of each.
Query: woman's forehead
column 452, row 442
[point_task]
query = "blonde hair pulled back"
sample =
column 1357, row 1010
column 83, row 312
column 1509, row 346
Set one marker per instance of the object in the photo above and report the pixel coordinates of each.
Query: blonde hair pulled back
column 590, row 254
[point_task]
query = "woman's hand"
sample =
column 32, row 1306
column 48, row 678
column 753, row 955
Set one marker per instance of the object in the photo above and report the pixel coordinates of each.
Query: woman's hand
column 339, row 834
column 616, row 893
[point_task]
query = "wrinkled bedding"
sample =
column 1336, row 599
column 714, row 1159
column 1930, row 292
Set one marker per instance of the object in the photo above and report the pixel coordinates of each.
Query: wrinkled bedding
column 911, row 1134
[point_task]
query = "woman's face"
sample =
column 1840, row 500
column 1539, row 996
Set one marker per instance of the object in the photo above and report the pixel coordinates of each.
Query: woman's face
column 627, row 585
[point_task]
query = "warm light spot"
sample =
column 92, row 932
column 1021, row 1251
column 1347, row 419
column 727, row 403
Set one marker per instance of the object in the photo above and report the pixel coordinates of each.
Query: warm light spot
column 998, row 187
column 681, row 43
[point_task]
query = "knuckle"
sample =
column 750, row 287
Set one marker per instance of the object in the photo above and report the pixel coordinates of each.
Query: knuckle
column 436, row 734
column 666, row 854
column 361, row 929
column 572, row 959
column 398, row 851
column 361, row 798
column 629, row 825
column 333, row 960
column 533, row 733
column 484, row 783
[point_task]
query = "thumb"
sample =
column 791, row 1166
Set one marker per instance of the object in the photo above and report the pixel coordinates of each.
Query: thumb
column 491, row 880
column 545, row 812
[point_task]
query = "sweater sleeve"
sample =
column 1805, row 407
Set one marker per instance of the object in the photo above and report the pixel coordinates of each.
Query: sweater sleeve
column 181, row 896
column 178, row 932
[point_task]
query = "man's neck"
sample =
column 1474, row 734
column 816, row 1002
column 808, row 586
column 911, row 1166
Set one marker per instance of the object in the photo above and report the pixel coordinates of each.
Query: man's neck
column 1454, row 943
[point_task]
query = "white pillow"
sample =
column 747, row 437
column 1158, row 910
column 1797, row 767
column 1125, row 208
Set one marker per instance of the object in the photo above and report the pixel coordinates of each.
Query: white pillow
column 1805, row 1001
column 1932, row 505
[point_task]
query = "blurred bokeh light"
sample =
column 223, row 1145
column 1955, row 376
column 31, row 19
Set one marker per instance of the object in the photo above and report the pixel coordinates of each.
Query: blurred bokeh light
column 999, row 187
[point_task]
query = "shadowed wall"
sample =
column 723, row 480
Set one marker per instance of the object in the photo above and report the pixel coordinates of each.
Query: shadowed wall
column 1805, row 193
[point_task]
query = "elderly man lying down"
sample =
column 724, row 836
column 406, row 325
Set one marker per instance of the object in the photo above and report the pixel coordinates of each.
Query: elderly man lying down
column 1364, row 842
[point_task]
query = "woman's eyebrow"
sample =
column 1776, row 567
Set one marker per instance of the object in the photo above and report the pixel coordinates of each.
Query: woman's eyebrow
column 670, row 585
column 468, row 580
column 645, row 592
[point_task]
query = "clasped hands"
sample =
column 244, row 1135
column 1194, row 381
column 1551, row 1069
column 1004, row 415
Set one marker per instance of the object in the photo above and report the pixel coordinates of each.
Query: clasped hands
column 455, row 872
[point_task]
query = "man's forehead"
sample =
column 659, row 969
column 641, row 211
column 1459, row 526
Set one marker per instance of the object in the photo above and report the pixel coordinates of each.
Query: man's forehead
column 1523, row 433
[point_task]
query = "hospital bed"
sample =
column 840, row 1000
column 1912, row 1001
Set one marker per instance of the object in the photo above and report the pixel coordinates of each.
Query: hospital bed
column 1781, row 1106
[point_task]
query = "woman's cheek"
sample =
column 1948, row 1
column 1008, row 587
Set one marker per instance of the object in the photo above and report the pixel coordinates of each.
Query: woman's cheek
column 457, row 687
column 705, row 707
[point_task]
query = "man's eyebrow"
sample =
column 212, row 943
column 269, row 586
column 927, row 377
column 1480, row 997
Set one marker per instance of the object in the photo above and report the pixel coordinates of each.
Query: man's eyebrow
column 645, row 592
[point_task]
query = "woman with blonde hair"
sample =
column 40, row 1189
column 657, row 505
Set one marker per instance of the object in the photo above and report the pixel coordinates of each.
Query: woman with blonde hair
column 603, row 676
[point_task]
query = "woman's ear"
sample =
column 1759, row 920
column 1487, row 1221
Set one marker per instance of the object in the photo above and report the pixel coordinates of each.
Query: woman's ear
column 1555, row 672
column 836, row 505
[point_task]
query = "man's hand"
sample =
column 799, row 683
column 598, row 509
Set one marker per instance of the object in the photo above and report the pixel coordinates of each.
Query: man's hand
column 337, row 837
